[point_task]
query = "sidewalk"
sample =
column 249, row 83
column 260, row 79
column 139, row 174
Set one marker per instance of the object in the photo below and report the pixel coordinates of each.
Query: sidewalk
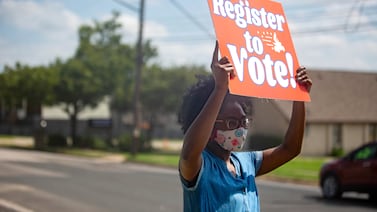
column 19, row 141
column 167, row 145
column 24, row 141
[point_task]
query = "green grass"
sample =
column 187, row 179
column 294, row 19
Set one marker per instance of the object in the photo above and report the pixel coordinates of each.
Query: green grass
column 305, row 169
column 300, row 169
column 6, row 136
column 170, row 160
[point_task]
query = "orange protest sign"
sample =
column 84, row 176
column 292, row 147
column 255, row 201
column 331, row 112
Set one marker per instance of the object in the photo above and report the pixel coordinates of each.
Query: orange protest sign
column 254, row 35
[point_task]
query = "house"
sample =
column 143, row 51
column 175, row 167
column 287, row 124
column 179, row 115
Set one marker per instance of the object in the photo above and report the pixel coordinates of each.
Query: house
column 90, row 121
column 341, row 116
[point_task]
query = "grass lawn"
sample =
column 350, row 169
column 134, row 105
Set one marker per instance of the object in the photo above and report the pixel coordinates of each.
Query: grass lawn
column 169, row 160
column 303, row 169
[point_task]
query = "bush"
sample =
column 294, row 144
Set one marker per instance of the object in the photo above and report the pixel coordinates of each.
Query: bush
column 91, row 142
column 56, row 140
column 83, row 142
column 337, row 152
column 125, row 143
column 99, row 143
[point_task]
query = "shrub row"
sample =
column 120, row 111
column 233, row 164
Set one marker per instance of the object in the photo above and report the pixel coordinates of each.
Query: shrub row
column 122, row 143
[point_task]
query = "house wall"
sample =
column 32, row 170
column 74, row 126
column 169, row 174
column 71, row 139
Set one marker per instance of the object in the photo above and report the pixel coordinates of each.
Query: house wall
column 318, row 139
column 353, row 136
column 62, row 127
column 267, row 119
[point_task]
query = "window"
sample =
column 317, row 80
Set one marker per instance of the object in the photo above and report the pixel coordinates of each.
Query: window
column 365, row 153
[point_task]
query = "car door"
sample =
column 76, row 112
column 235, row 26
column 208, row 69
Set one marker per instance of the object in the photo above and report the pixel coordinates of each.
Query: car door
column 361, row 167
column 373, row 169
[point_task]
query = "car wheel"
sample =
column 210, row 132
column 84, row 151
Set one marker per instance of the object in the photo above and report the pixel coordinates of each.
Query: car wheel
column 373, row 197
column 331, row 187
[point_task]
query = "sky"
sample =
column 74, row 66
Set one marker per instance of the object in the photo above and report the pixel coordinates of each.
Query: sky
column 328, row 35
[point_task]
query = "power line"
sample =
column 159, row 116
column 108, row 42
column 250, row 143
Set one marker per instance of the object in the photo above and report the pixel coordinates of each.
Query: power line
column 192, row 18
column 358, row 9
column 127, row 5
column 336, row 28
column 308, row 12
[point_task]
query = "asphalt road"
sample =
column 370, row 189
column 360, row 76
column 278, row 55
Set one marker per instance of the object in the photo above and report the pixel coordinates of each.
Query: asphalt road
column 44, row 182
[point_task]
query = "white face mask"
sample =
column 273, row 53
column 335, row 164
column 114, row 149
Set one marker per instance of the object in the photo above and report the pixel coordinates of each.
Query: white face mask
column 231, row 140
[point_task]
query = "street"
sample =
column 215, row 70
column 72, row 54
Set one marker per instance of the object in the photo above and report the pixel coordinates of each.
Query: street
column 44, row 182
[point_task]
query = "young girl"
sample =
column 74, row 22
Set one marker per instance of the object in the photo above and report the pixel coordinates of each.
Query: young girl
column 214, row 176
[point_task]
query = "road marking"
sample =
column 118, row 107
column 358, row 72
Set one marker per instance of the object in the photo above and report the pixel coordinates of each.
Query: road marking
column 17, row 169
column 8, row 187
column 13, row 206
column 34, row 195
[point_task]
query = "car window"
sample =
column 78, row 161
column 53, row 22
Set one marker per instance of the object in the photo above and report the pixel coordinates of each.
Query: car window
column 365, row 153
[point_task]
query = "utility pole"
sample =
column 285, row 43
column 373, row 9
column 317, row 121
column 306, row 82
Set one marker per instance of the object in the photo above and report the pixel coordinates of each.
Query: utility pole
column 138, row 70
column 137, row 119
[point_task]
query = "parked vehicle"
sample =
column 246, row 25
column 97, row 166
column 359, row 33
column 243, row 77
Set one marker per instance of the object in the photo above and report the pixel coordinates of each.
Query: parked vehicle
column 357, row 171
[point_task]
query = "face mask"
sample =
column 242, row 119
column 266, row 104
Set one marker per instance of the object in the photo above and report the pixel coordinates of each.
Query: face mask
column 231, row 140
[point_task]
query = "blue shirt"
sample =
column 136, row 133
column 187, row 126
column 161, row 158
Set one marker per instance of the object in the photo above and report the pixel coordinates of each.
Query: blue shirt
column 217, row 189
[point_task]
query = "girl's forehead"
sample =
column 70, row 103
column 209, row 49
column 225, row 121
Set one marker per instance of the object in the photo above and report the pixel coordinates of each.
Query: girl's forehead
column 232, row 106
column 234, row 100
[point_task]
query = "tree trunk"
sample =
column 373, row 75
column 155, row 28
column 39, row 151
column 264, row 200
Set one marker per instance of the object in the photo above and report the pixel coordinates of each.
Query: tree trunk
column 149, row 132
column 73, row 123
column 12, row 116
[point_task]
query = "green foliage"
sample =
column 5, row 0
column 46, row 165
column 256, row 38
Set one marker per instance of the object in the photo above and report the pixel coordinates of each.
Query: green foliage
column 101, row 66
column 125, row 143
column 77, row 86
column 170, row 160
column 33, row 83
column 20, row 83
column 163, row 89
column 90, row 142
column 337, row 152
column 300, row 168
column 99, row 143
column 56, row 140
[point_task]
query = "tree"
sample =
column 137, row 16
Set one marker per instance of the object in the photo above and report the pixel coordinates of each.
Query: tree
column 35, row 85
column 101, row 66
column 77, row 89
column 22, row 86
column 30, row 84
column 163, row 89
column 10, row 95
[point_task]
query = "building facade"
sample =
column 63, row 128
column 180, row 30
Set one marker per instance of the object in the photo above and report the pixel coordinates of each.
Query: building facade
column 341, row 116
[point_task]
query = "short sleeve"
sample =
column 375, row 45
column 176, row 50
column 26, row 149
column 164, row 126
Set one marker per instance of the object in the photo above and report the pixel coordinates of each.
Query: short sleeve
column 191, row 186
column 258, row 156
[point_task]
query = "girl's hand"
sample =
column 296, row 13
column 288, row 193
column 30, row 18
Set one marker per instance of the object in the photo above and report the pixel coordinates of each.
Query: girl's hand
column 303, row 78
column 222, row 69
